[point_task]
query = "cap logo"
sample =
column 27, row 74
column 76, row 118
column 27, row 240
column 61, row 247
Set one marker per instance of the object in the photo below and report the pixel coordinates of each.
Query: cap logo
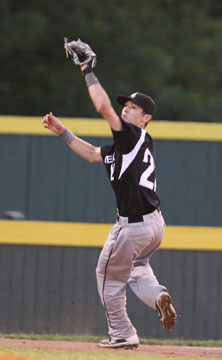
column 134, row 95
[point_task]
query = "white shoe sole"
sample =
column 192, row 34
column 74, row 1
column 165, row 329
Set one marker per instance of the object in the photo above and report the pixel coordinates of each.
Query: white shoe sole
column 119, row 345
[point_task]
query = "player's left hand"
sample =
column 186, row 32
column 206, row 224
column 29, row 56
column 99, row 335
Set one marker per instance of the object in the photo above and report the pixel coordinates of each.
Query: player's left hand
column 82, row 55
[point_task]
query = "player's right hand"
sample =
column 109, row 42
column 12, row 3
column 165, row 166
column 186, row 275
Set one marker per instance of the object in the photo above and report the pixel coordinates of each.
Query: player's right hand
column 53, row 123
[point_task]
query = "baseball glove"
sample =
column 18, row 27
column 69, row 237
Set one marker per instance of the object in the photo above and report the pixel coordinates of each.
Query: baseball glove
column 81, row 53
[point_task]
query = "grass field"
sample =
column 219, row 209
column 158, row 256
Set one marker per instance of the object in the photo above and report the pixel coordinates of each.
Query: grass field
column 20, row 354
column 96, row 339
column 11, row 353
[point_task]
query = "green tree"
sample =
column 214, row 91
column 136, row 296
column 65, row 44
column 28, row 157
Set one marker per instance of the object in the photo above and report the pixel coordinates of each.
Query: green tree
column 167, row 48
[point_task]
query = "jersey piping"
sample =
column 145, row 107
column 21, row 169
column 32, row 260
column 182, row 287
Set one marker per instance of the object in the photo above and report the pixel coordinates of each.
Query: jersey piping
column 128, row 158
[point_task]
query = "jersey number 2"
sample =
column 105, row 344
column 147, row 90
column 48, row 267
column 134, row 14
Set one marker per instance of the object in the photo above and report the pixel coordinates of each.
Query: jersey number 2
column 148, row 158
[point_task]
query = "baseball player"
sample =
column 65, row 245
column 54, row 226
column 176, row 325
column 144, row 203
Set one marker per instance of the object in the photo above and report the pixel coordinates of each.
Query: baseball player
column 139, row 226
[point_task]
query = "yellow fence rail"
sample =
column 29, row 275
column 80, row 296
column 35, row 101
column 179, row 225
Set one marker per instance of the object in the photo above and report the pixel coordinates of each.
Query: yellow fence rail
column 94, row 235
column 168, row 130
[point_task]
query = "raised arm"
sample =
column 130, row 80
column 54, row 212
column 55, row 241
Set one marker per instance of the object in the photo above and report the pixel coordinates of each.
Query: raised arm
column 102, row 104
column 82, row 148
column 85, row 58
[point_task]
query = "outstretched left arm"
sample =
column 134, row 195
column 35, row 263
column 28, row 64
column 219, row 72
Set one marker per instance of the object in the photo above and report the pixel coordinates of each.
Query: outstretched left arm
column 102, row 104
column 84, row 57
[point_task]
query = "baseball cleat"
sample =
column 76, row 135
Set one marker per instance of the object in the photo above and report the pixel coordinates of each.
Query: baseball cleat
column 130, row 343
column 165, row 310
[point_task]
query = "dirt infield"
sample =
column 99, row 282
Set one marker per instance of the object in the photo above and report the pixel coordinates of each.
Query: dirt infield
column 160, row 350
column 11, row 357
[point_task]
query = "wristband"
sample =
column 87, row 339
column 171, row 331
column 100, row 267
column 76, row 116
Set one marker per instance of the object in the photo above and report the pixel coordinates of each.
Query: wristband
column 67, row 136
column 91, row 79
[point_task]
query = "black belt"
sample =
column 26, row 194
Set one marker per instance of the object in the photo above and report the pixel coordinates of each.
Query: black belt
column 136, row 218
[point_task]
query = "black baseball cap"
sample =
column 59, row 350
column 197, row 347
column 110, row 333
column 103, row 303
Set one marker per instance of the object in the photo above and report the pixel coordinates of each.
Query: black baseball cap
column 144, row 101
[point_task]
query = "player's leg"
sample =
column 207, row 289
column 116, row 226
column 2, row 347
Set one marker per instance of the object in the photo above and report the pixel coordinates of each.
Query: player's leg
column 113, row 270
column 144, row 283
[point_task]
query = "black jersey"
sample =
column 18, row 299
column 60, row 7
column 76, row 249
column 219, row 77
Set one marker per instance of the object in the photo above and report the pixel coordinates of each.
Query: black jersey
column 131, row 170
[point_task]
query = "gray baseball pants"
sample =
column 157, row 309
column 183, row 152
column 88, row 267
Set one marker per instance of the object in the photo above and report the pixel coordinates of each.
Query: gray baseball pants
column 125, row 259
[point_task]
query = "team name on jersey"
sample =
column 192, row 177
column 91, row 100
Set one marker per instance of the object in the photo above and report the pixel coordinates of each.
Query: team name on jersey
column 109, row 159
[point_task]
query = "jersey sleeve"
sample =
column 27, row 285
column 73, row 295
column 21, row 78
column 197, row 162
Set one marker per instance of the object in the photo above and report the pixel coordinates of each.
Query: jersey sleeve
column 127, row 137
column 106, row 150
